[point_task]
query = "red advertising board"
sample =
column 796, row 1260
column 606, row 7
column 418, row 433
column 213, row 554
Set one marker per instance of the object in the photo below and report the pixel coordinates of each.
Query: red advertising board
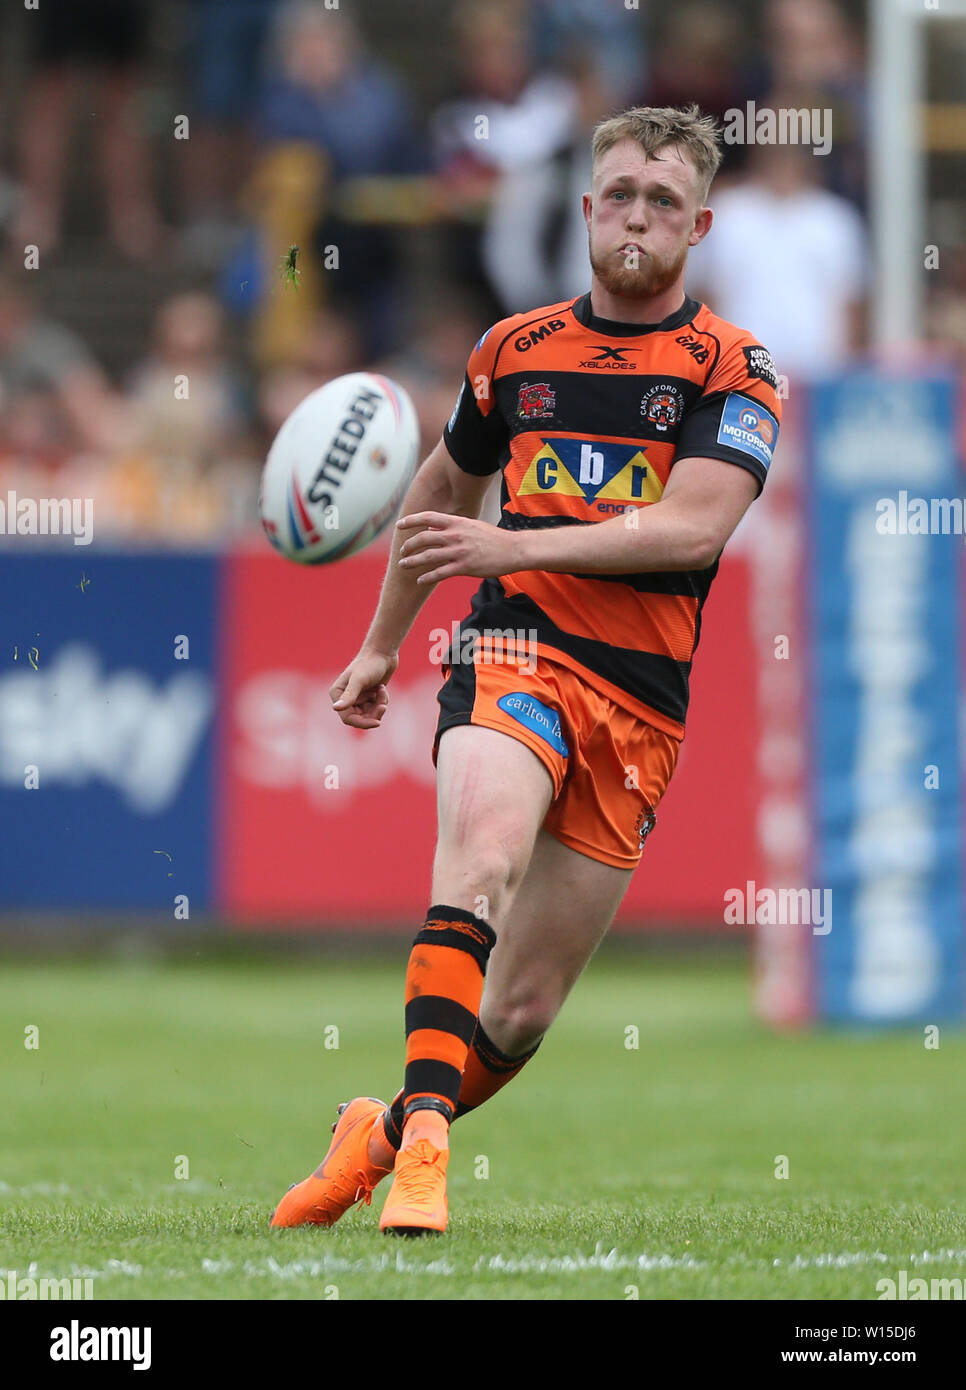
column 322, row 826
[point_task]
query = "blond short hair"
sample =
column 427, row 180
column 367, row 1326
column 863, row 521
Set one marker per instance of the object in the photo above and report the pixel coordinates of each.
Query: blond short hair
column 655, row 128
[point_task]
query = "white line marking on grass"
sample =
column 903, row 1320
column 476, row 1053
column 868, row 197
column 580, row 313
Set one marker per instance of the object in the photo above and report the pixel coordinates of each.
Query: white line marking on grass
column 604, row 1260
column 404, row 1264
column 33, row 1271
column 868, row 1257
column 36, row 1189
column 192, row 1185
column 577, row 1264
column 132, row 1271
column 328, row 1264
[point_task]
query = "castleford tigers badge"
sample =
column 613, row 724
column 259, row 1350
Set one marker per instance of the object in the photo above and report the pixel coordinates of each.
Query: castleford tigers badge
column 536, row 402
column 645, row 823
column 662, row 405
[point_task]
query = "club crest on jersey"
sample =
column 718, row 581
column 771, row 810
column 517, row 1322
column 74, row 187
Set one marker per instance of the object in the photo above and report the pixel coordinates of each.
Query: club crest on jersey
column 662, row 406
column 536, row 401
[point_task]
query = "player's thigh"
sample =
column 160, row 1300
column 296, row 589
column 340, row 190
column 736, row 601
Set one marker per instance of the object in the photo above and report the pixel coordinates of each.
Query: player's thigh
column 558, row 917
column 492, row 795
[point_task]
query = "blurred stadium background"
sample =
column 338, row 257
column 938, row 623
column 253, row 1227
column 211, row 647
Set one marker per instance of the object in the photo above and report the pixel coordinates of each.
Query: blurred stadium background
column 168, row 683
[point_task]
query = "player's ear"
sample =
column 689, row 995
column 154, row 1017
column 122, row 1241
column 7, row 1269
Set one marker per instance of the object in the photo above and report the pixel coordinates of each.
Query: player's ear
column 587, row 204
column 702, row 225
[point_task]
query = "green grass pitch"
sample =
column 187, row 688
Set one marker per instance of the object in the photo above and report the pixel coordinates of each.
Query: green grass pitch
column 604, row 1172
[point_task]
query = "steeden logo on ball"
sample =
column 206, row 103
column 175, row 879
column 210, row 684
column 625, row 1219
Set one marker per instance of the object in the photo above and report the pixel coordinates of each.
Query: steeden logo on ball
column 339, row 468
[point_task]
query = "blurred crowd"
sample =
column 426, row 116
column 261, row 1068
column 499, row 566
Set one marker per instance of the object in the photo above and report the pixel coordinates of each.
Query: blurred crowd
column 427, row 163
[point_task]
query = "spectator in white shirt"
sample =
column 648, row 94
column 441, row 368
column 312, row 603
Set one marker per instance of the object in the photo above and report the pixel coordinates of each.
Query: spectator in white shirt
column 788, row 261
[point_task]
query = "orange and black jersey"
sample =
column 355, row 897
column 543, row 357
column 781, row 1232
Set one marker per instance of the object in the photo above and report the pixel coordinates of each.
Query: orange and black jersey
column 586, row 417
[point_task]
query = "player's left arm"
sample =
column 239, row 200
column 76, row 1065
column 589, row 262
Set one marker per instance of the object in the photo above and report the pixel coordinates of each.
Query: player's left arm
column 703, row 502
column 724, row 450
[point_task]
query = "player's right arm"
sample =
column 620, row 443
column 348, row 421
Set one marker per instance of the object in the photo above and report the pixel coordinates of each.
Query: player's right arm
column 359, row 695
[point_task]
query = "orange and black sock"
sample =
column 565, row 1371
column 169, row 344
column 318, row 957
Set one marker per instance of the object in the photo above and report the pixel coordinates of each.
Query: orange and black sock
column 487, row 1071
column 444, row 984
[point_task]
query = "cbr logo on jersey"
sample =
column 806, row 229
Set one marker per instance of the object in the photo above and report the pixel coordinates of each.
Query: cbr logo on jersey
column 662, row 406
column 748, row 426
column 536, row 402
column 594, row 471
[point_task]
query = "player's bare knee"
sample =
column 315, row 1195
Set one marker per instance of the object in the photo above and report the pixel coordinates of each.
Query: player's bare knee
column 488, row 873
column 516, row 1025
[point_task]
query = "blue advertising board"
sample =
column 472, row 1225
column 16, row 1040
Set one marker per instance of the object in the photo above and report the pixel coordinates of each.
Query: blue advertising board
column 886, row 622
column 107, row 689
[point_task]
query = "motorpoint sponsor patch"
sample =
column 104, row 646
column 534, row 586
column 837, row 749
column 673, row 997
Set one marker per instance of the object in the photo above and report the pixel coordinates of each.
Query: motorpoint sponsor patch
column 748, row 426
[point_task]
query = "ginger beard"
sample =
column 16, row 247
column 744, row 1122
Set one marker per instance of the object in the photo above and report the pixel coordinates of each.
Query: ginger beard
column 652, row 276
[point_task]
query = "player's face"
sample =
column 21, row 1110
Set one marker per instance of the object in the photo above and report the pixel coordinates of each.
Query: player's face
column 642, row 215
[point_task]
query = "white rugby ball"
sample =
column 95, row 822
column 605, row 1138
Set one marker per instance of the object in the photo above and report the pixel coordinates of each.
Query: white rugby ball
column 339, row 468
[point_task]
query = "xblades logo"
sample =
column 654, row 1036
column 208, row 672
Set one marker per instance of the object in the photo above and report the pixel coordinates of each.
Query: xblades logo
column 616, row 353
column 611, row 359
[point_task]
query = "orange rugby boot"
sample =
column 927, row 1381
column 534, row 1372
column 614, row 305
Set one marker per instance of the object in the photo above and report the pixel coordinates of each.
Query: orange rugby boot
column 416, row 1205
column 345, row 1176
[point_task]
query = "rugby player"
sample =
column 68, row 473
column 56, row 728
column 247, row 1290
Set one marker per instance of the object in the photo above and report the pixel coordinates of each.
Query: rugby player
column 633, row 429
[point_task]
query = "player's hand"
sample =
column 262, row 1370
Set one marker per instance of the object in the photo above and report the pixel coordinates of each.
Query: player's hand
column 444, row 545
column 359, row 696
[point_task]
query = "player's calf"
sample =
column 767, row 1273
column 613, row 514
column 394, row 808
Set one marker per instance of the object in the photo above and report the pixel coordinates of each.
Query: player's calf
column 516, row 1024
column 444, row 982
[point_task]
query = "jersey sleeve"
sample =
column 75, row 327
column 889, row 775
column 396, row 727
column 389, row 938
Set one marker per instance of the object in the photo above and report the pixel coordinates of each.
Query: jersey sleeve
column 736, row 418
column 476, row 433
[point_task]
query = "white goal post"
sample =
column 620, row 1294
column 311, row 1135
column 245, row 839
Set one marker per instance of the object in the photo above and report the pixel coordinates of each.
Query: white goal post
column 897, row 41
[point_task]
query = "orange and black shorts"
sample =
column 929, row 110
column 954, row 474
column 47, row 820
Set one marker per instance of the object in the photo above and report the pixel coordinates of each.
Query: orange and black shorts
column 609, row 768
